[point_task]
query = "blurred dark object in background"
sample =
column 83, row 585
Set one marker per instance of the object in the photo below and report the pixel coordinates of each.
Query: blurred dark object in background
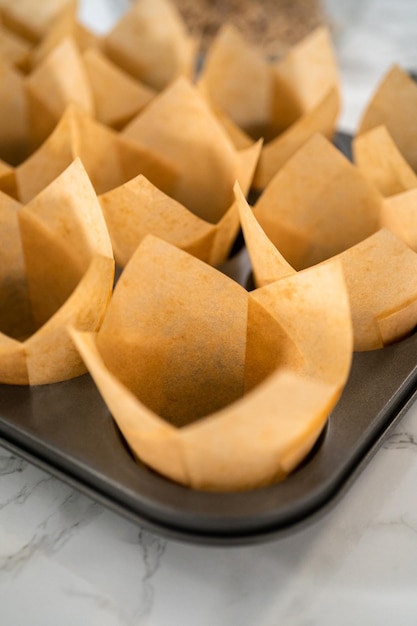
column 273, row 25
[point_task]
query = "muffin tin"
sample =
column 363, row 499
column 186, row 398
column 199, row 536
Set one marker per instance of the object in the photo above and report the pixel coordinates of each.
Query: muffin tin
column 67, row 429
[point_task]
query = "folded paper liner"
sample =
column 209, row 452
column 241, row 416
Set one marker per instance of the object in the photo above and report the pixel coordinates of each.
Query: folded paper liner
column 317, row 205
column 109, row 159
column 57, row 269
column 151, row 43
column 14, row 50
column 139, row 208
column 393, row 105
column 380, row 314
column 380, row 160
column 117, row 96
column 14, row 125
column 32, row 104
column 212, row 386
column 199, row 214
column 30, row 19
column 59, row 80
column 66, row 25
column 185, row 172
column 109, row 77
column 179, row 125
column 295, row 97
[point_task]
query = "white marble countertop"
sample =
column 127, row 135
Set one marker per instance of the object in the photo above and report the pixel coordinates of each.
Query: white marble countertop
column 65, row 560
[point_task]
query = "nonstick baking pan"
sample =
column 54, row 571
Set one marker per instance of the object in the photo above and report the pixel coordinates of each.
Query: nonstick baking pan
column 67, row 429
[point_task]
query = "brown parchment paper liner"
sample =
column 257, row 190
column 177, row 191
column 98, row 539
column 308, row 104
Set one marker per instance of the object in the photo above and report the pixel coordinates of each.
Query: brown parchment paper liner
column 283, row 102
column 109, row 159
column 399, row 214
column 393, row 105
column 66, row 67
column 65, row 26
column 212, row 386
column 117, row 96
column 90, row 79
column 58, row 80
column 31, row 19
column 179, row 125
column 199, row 215
column 380, row 273
column 14, row 124
column 317, row 205
column 32, row 105
column 139, row 208
column 379, row 159
column 14, row 50
column 152, row 44
column 56, row 268
column 7, row 179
